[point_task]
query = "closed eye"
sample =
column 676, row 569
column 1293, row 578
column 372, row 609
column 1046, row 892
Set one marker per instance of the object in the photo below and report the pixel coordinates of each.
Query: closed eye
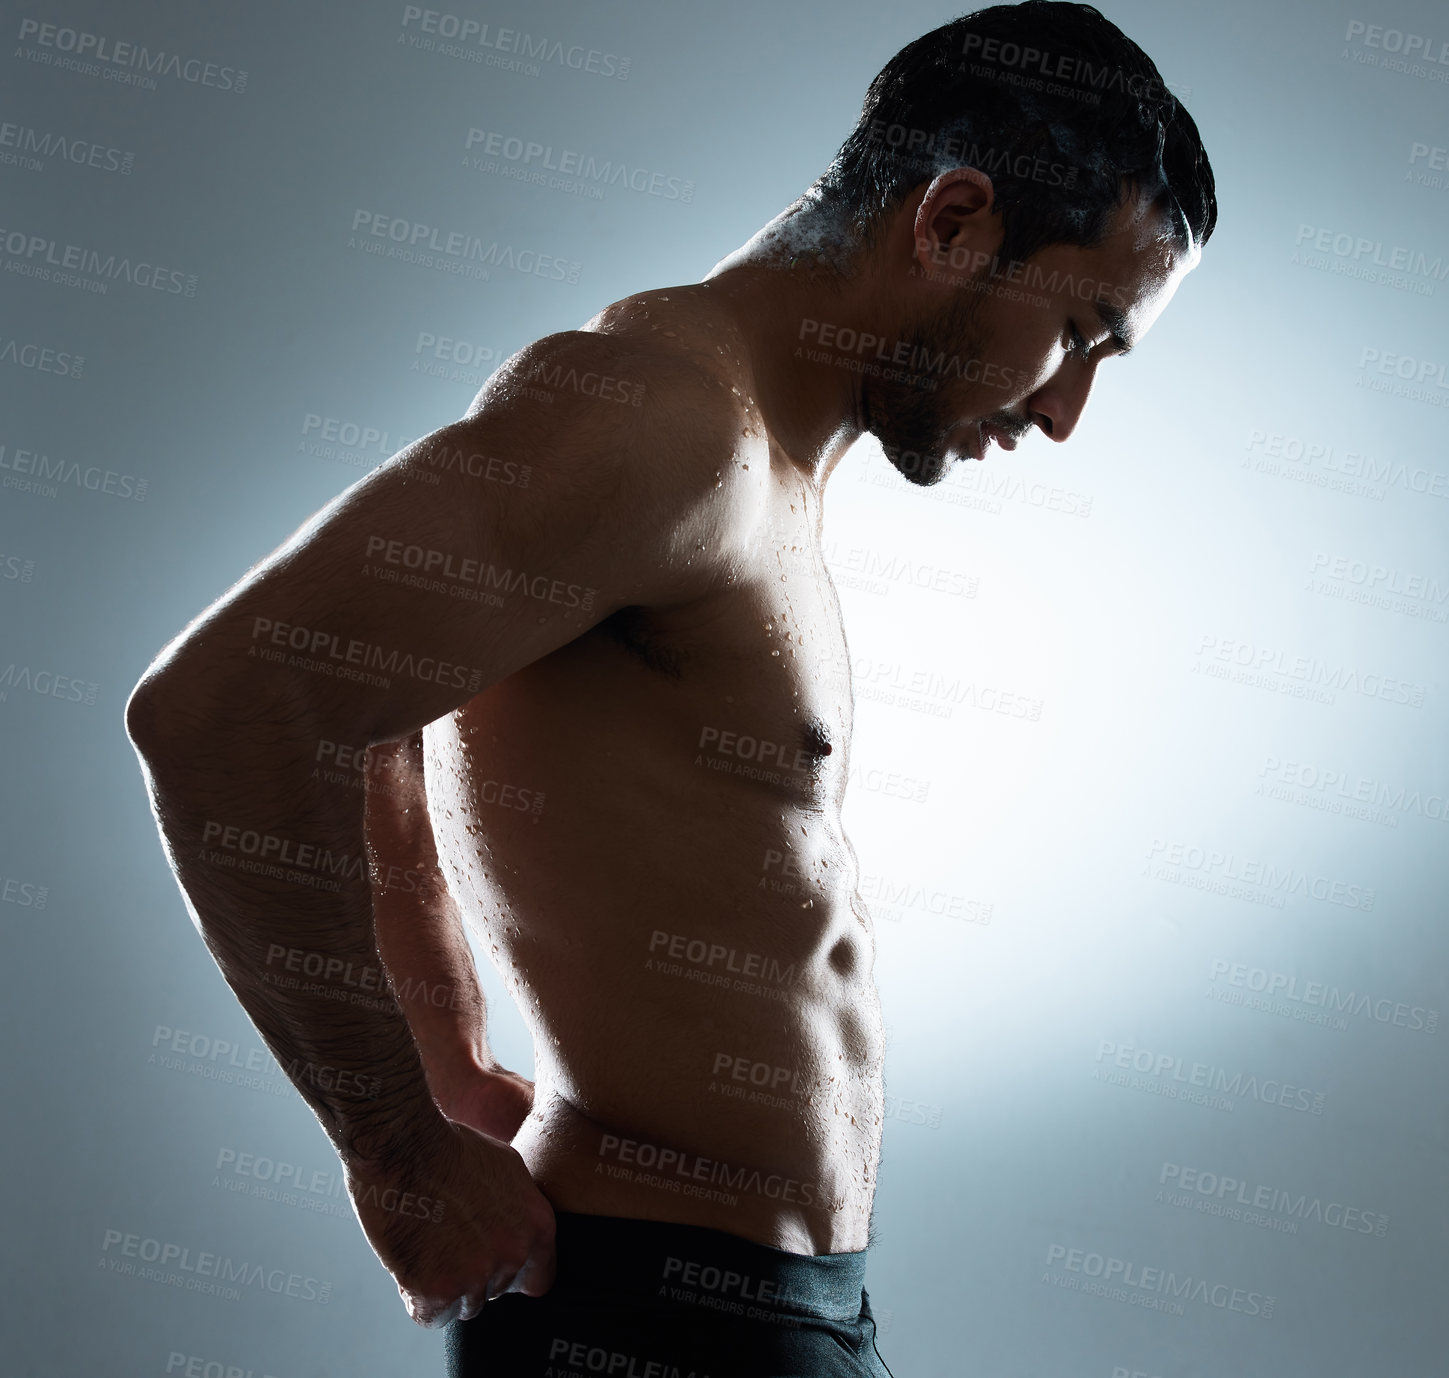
column 1077, row 342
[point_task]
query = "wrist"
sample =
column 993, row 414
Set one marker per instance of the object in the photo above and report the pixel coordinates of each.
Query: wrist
column 381, row 1146
column 490, row 1099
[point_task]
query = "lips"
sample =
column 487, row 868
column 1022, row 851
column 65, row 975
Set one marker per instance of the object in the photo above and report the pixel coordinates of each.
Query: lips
column 975, row 445
column 1002, row 438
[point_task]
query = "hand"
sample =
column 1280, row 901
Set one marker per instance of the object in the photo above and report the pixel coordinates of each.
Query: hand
column 459, row 1223
column 495, row 1102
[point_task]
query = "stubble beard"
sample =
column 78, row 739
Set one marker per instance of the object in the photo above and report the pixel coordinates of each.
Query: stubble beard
column 910, row 421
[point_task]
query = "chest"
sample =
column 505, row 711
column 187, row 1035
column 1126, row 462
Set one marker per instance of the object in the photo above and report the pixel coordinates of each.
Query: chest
column 751, row 680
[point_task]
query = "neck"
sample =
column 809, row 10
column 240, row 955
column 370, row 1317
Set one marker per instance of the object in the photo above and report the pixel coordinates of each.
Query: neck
column 783, row 286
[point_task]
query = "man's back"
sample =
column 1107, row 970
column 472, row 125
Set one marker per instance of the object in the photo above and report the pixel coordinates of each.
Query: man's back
column 643, row 831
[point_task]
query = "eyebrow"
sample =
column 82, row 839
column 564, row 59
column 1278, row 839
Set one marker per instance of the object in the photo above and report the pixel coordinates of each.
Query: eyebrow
column 1114, row 322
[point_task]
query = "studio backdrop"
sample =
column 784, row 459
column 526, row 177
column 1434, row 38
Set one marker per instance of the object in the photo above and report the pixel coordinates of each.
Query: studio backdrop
column 1149, row 784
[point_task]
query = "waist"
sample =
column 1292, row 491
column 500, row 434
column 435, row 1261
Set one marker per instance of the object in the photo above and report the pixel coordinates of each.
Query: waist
column 781, row 1186
column 648, row 1260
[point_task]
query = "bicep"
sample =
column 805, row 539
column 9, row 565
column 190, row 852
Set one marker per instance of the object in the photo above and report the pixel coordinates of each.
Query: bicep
column 431, row 578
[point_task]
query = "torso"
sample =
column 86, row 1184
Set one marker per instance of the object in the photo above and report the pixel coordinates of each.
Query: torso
column 676, row 917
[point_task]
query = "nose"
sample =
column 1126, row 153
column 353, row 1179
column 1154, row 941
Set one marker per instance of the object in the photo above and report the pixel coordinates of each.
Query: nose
column 1057, row 406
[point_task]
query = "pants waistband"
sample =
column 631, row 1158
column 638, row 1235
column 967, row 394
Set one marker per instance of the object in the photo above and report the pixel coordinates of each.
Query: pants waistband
column 665, row 1261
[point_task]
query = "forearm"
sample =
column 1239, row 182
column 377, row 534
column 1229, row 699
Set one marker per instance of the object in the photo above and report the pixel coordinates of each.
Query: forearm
column 433, row 978
column 271, row 859
column 419, row 926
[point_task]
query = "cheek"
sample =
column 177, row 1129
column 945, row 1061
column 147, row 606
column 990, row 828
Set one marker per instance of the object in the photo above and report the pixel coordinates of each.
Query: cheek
column 1026, row 350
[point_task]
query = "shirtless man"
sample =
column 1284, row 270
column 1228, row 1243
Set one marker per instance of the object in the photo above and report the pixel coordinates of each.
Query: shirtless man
column 585, row 647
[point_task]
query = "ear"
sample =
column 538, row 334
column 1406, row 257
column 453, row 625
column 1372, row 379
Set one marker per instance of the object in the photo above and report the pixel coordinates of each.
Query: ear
column 956, row 226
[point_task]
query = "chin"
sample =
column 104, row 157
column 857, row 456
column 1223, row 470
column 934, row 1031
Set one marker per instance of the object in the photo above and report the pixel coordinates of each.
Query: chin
column 924, row 468
column 929, row 472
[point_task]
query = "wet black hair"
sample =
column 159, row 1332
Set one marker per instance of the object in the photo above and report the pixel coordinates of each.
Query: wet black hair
column 1053, row 102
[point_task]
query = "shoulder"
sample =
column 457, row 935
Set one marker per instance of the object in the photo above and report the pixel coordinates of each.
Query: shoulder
column 642, row 440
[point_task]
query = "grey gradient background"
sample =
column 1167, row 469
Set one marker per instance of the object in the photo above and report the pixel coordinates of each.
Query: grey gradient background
column 1057, row 904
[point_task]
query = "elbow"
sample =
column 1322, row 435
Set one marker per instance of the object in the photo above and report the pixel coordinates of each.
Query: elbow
column 145, row 712
column 160, row 713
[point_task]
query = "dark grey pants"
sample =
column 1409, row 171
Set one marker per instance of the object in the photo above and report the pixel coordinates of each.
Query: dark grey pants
column 652, row 1299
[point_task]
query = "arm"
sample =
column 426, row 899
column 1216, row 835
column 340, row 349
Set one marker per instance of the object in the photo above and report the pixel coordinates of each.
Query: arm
column 425, row 950
column 311, row 645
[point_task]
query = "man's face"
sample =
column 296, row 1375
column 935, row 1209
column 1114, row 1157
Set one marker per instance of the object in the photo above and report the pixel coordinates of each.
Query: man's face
column 993, row 357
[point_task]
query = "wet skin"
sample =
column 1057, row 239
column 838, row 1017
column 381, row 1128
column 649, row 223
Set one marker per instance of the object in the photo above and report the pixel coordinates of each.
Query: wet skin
column 674, row 911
